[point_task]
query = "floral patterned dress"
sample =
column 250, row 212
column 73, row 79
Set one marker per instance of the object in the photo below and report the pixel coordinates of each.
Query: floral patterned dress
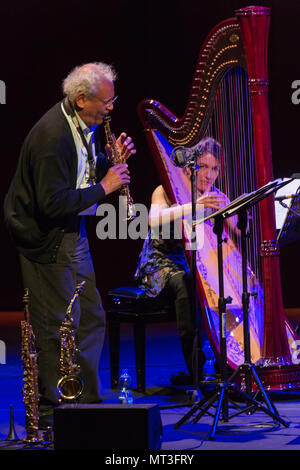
column 159, row 260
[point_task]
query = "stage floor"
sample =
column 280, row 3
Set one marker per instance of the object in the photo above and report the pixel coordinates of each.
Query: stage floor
column 254, row 433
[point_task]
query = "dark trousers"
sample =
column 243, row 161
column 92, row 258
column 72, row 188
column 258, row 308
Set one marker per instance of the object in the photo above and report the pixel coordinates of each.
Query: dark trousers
column 178, row 289
column 51, row 288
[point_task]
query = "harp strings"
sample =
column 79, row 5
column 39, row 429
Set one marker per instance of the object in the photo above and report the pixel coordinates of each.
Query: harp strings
column 231, row 125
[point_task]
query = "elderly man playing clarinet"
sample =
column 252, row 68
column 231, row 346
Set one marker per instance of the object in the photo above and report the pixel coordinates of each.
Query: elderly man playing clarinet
column 61, row 176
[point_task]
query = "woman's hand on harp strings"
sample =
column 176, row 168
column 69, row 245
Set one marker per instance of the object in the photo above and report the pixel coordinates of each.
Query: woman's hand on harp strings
column 213, row 199
column 115, row 178
column 216, row 201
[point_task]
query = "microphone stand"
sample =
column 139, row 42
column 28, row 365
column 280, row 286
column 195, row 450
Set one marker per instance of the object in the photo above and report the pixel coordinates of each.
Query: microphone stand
column 194, row 299
column 195, row 311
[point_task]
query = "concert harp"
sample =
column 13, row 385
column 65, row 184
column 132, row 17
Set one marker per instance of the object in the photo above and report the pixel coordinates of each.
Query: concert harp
column 228, row 101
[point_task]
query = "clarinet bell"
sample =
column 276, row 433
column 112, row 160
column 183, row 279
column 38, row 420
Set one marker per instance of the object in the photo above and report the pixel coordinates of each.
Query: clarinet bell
column 12, row 435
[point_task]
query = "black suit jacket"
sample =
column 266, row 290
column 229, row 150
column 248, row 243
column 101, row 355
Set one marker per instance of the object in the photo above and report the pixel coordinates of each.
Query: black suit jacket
column 42, row 202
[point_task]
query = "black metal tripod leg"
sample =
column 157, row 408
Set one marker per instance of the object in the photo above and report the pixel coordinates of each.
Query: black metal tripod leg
column 267, row 400
column 212, row 433
column 194, row 408
column 209, row 403
column 249, row 368
column 259, row 406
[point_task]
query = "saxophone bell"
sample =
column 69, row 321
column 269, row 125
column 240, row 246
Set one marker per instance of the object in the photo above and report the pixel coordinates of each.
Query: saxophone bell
column 70, row 388
column 70, row 385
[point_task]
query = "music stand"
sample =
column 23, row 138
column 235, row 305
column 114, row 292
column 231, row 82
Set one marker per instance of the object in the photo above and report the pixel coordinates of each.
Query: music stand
column 290, row 230
column 239, row 206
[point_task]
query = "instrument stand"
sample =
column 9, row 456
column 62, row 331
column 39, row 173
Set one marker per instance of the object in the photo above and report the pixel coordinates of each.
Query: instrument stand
column 221, row 395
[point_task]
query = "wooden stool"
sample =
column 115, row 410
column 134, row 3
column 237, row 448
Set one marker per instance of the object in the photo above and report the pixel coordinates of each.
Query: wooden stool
column 131, row 305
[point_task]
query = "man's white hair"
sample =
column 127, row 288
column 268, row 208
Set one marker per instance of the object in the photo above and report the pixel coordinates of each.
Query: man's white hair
column 87, row 78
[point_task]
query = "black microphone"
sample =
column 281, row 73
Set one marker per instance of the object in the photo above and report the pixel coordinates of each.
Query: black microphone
column 286, row 196
column 183, row 156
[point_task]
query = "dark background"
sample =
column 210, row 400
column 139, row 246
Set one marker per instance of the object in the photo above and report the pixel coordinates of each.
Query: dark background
column 154, row 46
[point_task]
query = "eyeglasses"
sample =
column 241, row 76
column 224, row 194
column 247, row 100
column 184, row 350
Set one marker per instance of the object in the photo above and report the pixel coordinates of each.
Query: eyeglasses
column 107, row 102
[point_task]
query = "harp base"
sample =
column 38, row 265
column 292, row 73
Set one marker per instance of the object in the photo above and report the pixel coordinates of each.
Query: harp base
column 222, row 397
column 276, row 378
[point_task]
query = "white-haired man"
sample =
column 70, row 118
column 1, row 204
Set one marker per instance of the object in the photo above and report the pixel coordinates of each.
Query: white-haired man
column 61, row 176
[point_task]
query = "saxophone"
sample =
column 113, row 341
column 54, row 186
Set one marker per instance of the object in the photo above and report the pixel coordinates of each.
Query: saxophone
column 69, row 386
column 115, row 158
column 30, row 389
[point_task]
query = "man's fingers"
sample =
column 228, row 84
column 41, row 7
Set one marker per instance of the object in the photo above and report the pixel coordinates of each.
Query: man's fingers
column 126, row 145
column 121, row 170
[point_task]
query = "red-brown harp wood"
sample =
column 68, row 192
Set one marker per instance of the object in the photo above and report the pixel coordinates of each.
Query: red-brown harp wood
column 229, row 101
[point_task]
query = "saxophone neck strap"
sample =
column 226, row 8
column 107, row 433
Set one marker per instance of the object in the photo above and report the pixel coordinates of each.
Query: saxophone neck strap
column 71, row 112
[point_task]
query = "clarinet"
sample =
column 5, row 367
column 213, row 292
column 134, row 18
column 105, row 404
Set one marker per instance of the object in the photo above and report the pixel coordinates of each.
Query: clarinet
column 115, row 158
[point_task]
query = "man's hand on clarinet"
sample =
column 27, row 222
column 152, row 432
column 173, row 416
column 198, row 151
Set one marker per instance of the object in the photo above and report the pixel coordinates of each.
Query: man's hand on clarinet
column 126, row 146
column 115, row 178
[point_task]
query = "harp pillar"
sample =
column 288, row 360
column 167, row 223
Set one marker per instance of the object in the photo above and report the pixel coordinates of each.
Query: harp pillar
column 254, row 23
